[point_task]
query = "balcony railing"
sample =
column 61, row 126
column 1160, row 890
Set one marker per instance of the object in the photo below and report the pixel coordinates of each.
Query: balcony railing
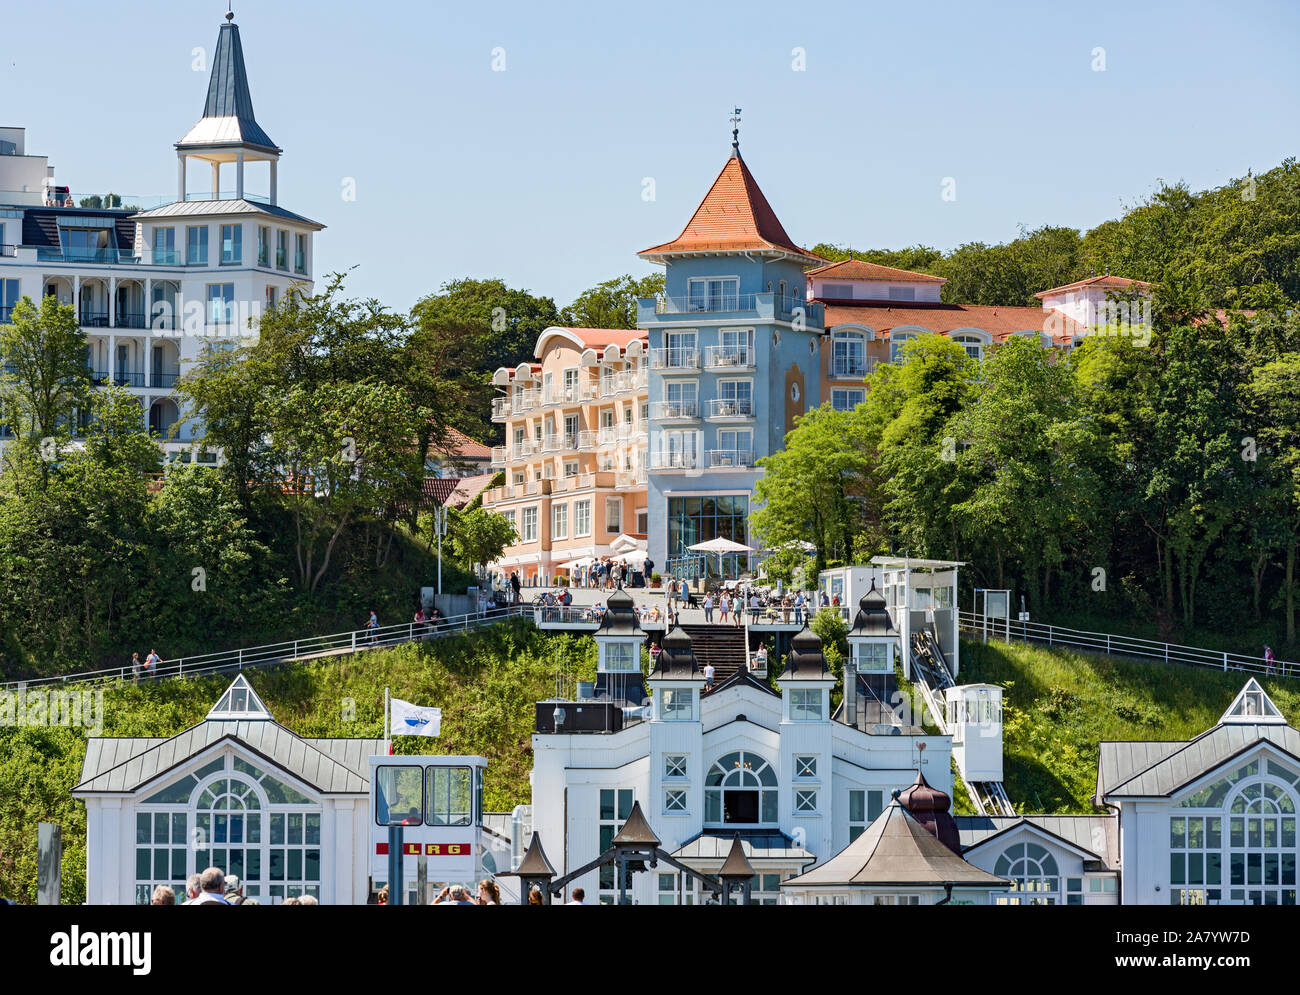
column 675, row 358
column 560, row 442
column 131, row 319
column 729, row 457
column 93, row 319
column 731, row 408
column 8, row 250
column 111, row 256
column 674, row 410
column 524, row 400
column 674, row 460
column 726, row 357
column 575, row 394
column 500, row 408
column 163, row 379
column 854, row 368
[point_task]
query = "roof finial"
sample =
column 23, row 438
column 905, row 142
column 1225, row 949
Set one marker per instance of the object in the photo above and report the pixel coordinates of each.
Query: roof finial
column 230, row 12
column 735, row 133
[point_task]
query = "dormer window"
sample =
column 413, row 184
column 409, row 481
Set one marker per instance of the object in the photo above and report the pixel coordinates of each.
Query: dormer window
column 676, row 704
column 622, row 657
column 806, row 705
column 902, row 293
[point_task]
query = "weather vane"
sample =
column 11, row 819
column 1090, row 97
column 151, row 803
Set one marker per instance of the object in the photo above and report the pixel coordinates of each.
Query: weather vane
column 735, row 132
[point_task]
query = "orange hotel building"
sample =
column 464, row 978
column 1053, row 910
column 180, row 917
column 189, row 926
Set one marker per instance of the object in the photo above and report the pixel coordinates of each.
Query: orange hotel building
column 576, row 422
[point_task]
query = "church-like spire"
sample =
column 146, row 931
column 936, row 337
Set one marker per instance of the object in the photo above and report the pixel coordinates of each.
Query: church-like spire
column 228, row 118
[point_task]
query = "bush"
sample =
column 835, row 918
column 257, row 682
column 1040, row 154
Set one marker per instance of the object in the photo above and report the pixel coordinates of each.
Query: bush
column 656, row 579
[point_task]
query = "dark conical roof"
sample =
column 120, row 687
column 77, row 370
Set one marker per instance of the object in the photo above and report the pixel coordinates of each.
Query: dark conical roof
column 228, row 117
column 620, row 618
column 737, row 865
column 929, row 806
column 873, row 617
column 805, row 661
column 534, row 864
column 677, row 660
column 636, row 831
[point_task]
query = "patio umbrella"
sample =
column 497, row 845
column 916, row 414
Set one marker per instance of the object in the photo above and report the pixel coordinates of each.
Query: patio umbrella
column 721, row 547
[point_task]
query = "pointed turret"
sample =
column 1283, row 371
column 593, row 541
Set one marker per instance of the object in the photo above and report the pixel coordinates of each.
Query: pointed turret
column 228, row 118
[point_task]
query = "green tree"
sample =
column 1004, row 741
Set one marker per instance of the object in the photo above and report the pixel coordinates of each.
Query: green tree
column 805, row 490
column 44, row 378
column 611, row 304
column 479, row 536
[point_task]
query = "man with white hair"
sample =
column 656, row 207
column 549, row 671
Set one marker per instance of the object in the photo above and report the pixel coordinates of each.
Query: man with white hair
column 192, row 889
column 212, row 885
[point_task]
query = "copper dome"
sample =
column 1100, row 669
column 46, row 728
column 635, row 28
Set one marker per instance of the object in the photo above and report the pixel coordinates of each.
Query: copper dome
column 929, row 806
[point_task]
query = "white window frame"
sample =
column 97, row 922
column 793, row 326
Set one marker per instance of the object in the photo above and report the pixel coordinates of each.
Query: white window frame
column 723, row 296
column 616, row 519
column 675, row 766
column 582, row 518
column 805, row 800
column 675, row 801
column 559, row 521
column 805, row 766
column 528, row 523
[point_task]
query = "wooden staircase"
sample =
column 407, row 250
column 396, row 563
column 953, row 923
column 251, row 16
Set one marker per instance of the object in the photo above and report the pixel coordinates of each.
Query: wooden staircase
column 721, row 645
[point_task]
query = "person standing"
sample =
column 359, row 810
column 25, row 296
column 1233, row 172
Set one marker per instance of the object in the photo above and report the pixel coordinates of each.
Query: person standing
column 708, row 608
column 212, row 888
column 578, row 896
column 515, row 585
column 1269, row 660
column 152, row 662
column 136, row 666
column 708, row 677
column 372, row 625
column 798, row 608
column 724, row 608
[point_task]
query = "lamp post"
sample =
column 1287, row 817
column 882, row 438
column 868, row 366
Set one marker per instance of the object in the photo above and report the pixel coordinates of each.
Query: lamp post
column 440, row 527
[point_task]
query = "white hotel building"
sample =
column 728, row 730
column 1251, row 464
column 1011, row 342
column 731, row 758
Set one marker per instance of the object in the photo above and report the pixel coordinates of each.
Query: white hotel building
column 153, row 283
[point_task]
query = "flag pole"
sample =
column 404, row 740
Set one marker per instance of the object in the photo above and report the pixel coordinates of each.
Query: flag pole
column 388, row 742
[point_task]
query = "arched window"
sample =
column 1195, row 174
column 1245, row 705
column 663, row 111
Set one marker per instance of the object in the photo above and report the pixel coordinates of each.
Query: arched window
column 848, row 354
column 1035, row 879
column 896, row 342
column 973, row 345
column 740, row 789
column 1242, row 846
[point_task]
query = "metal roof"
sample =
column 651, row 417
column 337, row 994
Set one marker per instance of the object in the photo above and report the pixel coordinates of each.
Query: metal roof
column 1083, row 832
column 1178, row 764
column 195, row 208
column 896, row 850
column 228, row 117
column 758, row 845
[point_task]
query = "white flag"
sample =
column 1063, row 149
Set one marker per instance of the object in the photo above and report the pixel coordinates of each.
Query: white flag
column 414, row 720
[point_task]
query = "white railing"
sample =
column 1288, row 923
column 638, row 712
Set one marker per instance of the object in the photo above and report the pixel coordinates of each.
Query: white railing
column 674, row 460
column 668, row 410
column 1127, row 646
column 728, row 357
column 675, row 358
column 500, row 408
column 586, row 439
column 311, row 647
column 729, row 457
column 731, row 408
column 525, row 400
column 499, row 455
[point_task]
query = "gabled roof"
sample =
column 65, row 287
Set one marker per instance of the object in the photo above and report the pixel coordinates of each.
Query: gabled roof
column 1104, row 282
column 331, row 766
column 458, row 445
column 734, row 216
column 896, row 850
column 1080, row 833
column 999, row 320
column 1252, row 706
column 858, row 269
column 228, row 117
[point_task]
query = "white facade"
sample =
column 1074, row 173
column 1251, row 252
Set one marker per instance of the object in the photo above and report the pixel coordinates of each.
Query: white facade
column 818, row 783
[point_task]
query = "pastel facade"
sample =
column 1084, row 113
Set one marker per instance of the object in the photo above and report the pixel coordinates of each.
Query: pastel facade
column 575, row 422
column 153, row 286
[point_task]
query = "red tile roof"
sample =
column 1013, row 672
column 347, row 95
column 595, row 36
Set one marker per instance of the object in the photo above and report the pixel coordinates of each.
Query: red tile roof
column 733, row 217
column 461, row 446
column 457, row 492
column 858, row 269
column 1000, row 321
column 1105, row 282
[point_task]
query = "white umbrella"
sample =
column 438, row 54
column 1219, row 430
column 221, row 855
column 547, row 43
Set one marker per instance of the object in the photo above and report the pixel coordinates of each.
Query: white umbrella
column 721, row 547
column 584, row 561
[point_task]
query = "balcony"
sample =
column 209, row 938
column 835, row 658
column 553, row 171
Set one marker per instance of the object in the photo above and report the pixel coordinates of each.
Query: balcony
column 730, row 409
column 111, row 256
column 851, row 367
column 500, row 408
column 564, row 396
column 612, row 434
column 131, row 319
column 674, row 460
column 675, row 358
column 726, row 357
column 652, row 310
column 632, row 380
column 674, row 411
column 586, row 440
column 93, row 319
column 524, row 400
column 159, row 379
column 723, row 458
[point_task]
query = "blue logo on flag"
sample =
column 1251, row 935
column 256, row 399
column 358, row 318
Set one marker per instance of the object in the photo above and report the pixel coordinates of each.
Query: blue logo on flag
column 416, row 720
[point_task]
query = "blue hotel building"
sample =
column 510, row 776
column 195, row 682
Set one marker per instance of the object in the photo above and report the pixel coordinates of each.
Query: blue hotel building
column 734, row 359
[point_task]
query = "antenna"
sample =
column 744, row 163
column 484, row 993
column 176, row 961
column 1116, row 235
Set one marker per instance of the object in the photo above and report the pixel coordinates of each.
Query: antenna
column 735, row 132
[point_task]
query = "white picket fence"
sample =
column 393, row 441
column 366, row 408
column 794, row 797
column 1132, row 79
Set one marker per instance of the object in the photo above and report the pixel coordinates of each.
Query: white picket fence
column 310, row 647
column 1125, row 646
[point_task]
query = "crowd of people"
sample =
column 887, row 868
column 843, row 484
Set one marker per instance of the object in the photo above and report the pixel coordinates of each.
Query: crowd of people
column 214, row 887
column 729, row 605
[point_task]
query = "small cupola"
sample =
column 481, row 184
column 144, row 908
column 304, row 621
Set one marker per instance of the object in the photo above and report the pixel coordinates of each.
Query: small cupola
column 619, row 639
column 676, row 680
column 805, row 682
column 930, row 807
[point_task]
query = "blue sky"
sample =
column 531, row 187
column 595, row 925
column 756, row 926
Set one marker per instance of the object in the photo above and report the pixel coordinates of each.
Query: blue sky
column 535, row 174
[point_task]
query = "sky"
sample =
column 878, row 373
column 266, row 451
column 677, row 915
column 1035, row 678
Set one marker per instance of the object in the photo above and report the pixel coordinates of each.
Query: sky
column 547, row 143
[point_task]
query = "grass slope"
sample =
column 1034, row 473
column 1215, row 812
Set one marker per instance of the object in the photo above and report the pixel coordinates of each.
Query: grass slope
column 486, row 684
column 1059, row 705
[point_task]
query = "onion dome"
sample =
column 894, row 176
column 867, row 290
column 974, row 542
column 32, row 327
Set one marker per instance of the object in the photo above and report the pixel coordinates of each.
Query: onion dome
column 873, row 617
column 929, row 806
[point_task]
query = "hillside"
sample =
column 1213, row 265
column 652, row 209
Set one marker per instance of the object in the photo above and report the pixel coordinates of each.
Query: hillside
column 1058, row 705
column 486, row 684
